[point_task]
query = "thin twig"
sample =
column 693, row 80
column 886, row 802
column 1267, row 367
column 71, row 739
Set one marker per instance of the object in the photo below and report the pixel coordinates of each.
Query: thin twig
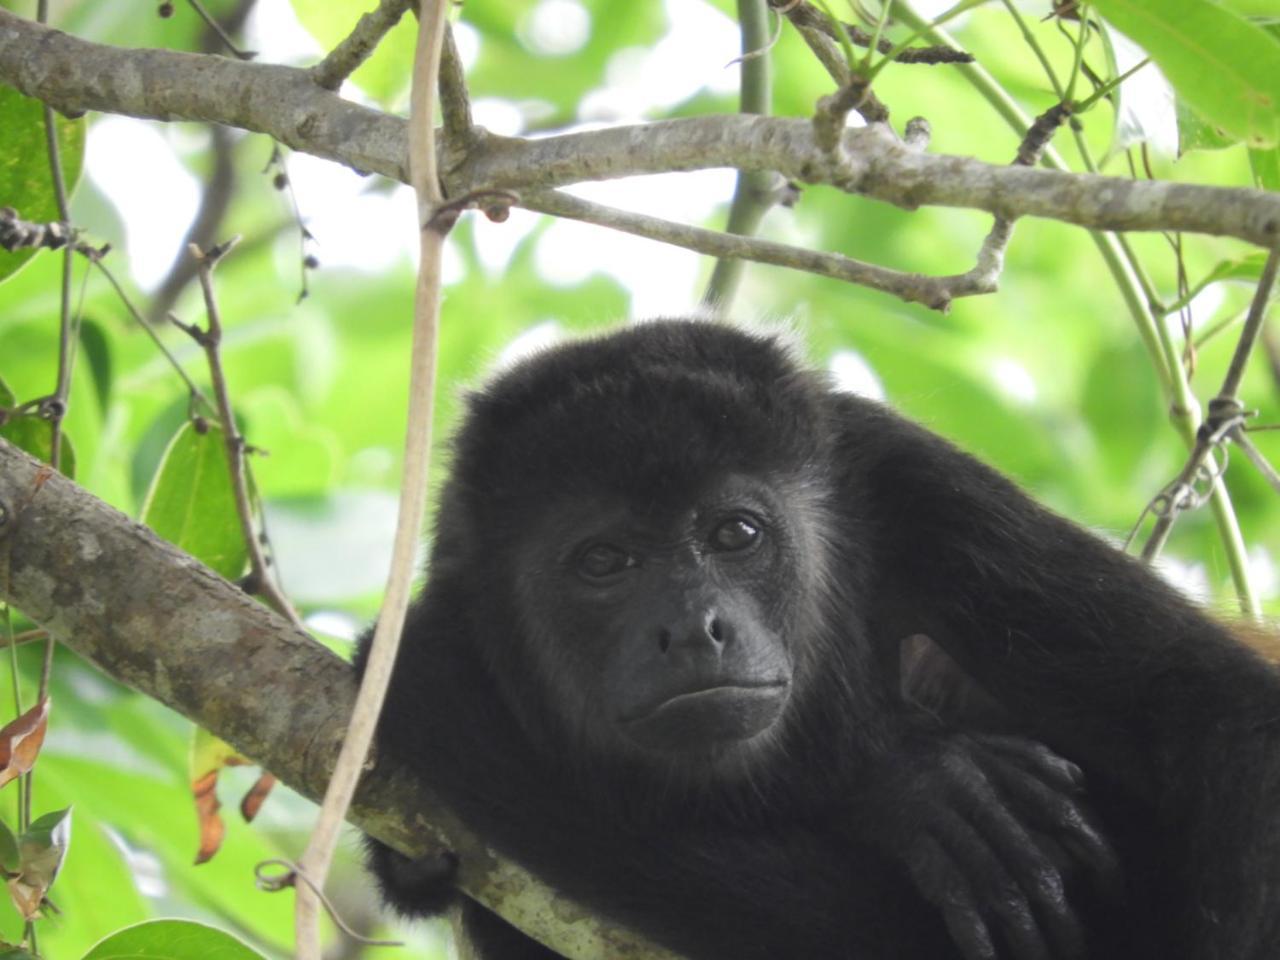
column 804, row 18
column 260, row 582
column 344, row 59
column 197, row 395
column 1224, row 422
column 212, row 23
column 989, row 263
column 934, row 292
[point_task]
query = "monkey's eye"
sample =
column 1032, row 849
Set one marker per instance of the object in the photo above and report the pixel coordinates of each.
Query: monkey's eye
column 603, row 561
column 736, row 533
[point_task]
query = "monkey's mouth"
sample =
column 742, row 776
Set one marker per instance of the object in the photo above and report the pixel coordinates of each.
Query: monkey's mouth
column 699, row 718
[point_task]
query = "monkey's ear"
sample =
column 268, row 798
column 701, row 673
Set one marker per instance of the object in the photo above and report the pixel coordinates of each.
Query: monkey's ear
column 928, row 677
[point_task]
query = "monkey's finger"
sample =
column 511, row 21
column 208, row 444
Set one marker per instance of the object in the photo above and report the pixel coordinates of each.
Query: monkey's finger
column 941, row 881
column 1054, row 814
column 1036, row 758
column 1007, row 896
column 969, row 931
column 1036, row 876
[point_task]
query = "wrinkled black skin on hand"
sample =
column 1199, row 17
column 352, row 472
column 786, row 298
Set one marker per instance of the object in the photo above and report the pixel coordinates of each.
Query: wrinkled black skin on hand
column 763, row 848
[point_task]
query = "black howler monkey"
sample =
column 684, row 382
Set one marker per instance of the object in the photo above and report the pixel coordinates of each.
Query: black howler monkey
column 655, row 662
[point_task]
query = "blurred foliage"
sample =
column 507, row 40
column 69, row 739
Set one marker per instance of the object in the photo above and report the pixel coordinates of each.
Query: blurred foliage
column 1048, row 379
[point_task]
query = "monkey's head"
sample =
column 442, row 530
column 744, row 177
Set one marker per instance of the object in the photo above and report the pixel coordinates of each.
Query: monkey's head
column 647, row 513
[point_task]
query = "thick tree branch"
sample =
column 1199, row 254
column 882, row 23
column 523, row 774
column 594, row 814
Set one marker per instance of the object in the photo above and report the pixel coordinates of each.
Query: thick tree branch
column 74, row 75
column 154, row 618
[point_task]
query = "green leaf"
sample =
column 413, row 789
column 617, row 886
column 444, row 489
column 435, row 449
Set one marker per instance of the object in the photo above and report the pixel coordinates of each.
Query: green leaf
column 43, row 845
column 191, row 503
column 9, row 952
column 25, row 183
column 35, row 435
column 1247, row 269
column 171, row 940
column 1261, row 9
column 1196, row 133
column 8, row 849
column 1266, row 168
column 97, row 351
column 1225, row 67
column 7, row 399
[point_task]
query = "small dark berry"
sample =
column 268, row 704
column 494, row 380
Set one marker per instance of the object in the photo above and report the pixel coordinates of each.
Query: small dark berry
column 166, row 10
column 280, row 181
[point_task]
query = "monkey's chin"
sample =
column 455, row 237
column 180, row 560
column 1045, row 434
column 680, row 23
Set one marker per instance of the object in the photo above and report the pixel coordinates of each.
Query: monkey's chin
column 704, row 720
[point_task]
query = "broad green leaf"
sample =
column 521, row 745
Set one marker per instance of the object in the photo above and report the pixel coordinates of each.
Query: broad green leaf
column 191, row 503
column 1261, row 9
column 25, row 183
column 1196, row 133
column 1225, row 67
column 171, row 940
column 35, row 435
column 1266, row 168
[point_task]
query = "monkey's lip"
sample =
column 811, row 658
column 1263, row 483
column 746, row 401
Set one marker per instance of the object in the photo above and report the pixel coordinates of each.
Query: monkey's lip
column 722, row 696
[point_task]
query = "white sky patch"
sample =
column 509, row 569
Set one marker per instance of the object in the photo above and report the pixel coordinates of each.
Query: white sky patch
column 498, row 116
column 353, row 225
column 538, row 337
column 496, row 243
column 1263, row 572
column 335, row 623
column 1014, row 380
column 467, row 39
column 1204, row 307
column 275, row 33
column 692, row 55
column 661, row 278
column 852, row 374
column 1191, row 578
column 157, row 198
column 555, row 28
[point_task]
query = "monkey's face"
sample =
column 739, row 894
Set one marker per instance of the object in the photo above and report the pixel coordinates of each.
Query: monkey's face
column 669, row 627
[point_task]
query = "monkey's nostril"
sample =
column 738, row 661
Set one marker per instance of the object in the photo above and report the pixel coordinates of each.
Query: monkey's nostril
column 664, row 639
column 714, row 630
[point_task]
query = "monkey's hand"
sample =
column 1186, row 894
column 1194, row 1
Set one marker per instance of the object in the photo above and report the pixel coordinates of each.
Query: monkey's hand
column 988, row 827
column 422, row 887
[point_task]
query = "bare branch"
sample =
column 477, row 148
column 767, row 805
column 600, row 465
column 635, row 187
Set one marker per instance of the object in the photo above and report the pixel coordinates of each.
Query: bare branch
column 347, row 56
column 935, row 292
column 154, row 618
column 74, row 75
column 210, row 339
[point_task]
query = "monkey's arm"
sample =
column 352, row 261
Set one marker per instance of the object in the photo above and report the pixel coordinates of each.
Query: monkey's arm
column 1176, row 723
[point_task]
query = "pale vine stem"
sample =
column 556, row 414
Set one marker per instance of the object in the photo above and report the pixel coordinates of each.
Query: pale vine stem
column 316, row 859
column 755, row 190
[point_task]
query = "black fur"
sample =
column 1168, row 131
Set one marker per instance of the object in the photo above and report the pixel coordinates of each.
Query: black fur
column 837, row 828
